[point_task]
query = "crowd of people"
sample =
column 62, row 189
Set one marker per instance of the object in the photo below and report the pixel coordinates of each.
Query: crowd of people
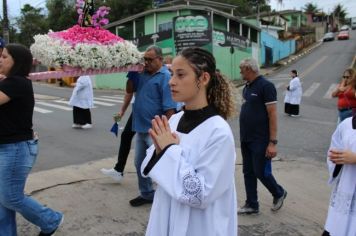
column 183, row 143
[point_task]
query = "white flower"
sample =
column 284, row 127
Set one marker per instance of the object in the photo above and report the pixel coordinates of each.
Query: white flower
column 54, row 52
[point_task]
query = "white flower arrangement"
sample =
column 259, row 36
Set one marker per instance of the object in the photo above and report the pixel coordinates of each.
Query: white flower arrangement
column 54, row 52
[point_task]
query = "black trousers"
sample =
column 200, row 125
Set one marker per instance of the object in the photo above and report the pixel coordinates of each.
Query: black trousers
column 291, row 109
column 81, row 116
column 125, row 146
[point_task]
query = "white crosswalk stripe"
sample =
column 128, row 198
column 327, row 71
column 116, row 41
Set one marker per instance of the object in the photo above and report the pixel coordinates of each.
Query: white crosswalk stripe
column 54, row 105
column 42, row 104
column 330, row 90
column 41, row 110
column 108, row 100
column 66, row 102
column 311, row 90
column 104, row 103
column 308, row 92
column 280, row 84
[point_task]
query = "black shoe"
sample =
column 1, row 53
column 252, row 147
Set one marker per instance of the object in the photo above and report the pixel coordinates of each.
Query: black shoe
column 54, row 231
column 139, row 201
column 278, row 202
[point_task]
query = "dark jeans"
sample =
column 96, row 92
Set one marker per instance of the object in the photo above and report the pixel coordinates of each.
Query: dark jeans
column 257, row 166
column 125, row 145
column 81, row 116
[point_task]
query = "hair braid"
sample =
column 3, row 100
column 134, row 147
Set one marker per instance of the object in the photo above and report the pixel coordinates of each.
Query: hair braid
column 219, row 89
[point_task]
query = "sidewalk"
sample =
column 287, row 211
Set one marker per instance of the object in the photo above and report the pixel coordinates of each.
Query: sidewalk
column 95, row 205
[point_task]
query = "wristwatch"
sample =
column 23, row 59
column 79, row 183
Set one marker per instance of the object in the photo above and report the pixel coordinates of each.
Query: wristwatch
column 274, row 141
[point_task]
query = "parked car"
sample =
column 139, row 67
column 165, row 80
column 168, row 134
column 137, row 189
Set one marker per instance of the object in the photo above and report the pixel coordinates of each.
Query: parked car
column 343, row 35
column 329, row 37
column 345, row 28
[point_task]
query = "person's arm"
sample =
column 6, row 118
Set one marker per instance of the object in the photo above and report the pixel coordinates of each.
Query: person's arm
column 340, row 89
column 272, row 120
column 342, row 156
column 3, row 98
column 197, row 185
column 128, row 97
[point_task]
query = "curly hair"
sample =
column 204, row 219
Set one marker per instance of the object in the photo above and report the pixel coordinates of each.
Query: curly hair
column 220, row 92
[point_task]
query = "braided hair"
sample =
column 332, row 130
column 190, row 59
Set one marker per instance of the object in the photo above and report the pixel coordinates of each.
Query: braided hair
column 219, row 89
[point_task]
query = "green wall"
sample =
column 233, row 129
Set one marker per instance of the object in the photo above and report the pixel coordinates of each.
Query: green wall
column 229, row 63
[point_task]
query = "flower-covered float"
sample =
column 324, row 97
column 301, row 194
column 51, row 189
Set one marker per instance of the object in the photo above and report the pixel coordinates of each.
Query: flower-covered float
column 84, row 49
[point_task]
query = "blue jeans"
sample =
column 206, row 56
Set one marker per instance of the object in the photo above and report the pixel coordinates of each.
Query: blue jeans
column 16, row 161
column 257, row 166
column 345, row 113
column 143, row 141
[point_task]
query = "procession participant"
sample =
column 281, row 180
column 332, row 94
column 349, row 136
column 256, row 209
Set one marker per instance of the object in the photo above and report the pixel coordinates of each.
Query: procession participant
column 193, row 156
column 293, row 95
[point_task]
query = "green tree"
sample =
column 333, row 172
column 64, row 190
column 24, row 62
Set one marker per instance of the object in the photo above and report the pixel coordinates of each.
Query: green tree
column 62, row 14
column 310, row 8
column 340, row 12
column 30, row 22
column 125, row 8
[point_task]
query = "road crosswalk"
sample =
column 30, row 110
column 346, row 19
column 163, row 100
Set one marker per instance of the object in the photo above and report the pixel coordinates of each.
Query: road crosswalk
column 281, row 82
column 46, row 106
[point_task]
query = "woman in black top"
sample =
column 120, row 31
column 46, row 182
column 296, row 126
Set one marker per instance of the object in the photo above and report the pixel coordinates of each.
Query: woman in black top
column 18, row 146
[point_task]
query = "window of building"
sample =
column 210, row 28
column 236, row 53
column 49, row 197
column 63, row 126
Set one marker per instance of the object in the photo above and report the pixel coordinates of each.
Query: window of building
column 125, row 30
column 245, row 31
column 254, row 35
column 234, row 27
column 165, row 26
column 140, row 27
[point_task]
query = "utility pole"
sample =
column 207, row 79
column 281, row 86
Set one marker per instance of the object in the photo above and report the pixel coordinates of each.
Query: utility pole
column 5, row 27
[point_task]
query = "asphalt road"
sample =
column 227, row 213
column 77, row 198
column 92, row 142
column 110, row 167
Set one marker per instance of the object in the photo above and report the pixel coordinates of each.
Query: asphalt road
column 307, row 136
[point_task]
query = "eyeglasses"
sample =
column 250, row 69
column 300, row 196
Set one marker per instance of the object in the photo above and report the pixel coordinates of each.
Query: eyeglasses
column 346, row 77
column 149, row 60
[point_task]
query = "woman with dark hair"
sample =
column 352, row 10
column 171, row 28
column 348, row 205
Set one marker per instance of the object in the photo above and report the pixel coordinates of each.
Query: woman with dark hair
column 19, row 145
column 193, row 156
column 293, row 95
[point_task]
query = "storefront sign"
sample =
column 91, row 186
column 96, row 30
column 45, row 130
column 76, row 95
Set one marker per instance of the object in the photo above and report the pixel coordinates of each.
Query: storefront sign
column 191, row 31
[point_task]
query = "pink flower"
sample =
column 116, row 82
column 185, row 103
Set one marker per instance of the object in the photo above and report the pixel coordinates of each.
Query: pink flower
column 77, row 34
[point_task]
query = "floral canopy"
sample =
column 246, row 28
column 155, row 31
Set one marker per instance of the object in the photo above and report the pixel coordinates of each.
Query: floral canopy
column 85, row 48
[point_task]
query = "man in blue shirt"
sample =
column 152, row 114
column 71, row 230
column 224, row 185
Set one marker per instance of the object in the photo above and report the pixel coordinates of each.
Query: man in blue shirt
column 258, row 135
column 153, row 97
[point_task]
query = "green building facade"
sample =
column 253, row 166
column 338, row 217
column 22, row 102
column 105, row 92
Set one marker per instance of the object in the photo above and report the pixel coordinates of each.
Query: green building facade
column 173, row 28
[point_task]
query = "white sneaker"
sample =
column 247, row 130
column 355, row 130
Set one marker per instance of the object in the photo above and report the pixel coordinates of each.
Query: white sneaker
column 76, row 126
column 87, row 126
column 118, row 176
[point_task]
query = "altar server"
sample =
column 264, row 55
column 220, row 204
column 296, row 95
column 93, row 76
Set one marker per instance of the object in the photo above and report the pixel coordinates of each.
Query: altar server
column 193, row 156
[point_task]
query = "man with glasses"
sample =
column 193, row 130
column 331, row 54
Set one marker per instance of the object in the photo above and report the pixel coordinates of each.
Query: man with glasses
column 153, row 97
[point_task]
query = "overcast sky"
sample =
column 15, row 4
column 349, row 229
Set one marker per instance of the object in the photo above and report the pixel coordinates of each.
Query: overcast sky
column 326, row 5
column 14, row 6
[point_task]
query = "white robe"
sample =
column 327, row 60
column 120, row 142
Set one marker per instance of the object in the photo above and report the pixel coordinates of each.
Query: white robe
column 196, row 186
column 295, row 92
column 341, row 219
column 82, row 95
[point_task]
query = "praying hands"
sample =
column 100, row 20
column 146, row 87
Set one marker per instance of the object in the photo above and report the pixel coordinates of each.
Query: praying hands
column 161, row 133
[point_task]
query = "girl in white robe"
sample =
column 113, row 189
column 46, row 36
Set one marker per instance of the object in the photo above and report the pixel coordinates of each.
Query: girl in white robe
column 193, row 156
column 293, row 95
column 341, row 219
